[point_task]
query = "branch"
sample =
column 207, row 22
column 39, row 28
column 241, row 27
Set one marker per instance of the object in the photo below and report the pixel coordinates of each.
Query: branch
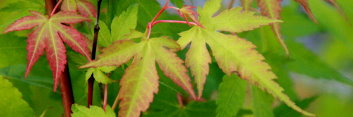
column 93, row 55
column 65, row 80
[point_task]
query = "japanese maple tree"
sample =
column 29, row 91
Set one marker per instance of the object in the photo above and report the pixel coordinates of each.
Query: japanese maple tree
column 174, row 59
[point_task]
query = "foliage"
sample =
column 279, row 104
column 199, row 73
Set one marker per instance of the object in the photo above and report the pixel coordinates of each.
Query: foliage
column 93, row 111
column 49, row 36
column 261, row 58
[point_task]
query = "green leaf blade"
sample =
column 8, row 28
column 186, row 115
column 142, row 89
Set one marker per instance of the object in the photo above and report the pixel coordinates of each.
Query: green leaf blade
column 11, row 102
column 231, row 96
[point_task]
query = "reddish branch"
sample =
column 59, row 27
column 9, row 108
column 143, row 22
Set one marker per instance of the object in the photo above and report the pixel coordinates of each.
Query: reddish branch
column 65, row 81
column 94, row 49
column 66, row 91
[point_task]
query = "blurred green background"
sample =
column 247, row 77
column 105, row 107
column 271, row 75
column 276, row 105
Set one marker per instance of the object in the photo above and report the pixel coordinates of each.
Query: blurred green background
column 317, row 75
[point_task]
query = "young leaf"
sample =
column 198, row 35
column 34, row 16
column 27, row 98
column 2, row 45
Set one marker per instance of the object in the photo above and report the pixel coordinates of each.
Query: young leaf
column 100, row 74
column 123, row 24
column 140, row 80
column 231, row 96
column 93, row 111
column 83, row 7
column 49, row 36
column 236, row 55
column 122, row 27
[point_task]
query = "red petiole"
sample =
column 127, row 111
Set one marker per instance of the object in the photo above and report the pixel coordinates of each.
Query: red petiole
column 155, row 21
column 55, row 8
column 174, row 21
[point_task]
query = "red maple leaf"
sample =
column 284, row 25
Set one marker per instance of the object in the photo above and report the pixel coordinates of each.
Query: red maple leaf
column 49, row 35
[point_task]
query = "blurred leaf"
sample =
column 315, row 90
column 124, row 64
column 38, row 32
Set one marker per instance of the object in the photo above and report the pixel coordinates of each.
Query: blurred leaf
column 294, row 21
column 306, row 62
column 231, row 96
column 93, row 111
column 37, row 88
column 15, row 9
column 332, row 105
column 346, row 6
column 178, row 3
column 12, row 50
column 261, row 102
column 11, row 102
column 335, row 24
column 285, row 111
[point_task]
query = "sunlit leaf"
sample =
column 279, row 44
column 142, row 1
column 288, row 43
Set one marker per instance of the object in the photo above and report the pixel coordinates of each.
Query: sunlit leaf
column 140, row 81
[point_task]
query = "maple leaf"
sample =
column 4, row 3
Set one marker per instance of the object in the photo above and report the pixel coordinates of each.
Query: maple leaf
column 100, row 74
column 49, row 35
column 83, row 7
column 140, row 81
column 233, row 54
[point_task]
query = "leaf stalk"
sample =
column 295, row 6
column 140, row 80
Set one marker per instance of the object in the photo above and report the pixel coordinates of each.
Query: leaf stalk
column 65, row 80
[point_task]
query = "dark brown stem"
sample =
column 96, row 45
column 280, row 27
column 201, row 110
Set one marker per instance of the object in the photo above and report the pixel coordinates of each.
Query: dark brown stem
column 65, row 81
column 94, row 49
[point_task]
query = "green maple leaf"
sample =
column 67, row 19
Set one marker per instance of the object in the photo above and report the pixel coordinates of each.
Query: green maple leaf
column 140, row 81
column 233, row 54
column 100, row 74
column 231, row 96
column 93, row 111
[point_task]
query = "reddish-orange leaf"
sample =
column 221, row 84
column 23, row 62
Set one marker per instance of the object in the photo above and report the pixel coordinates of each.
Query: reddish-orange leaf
column 84, row 7
column 69, row 5
column 49, row 35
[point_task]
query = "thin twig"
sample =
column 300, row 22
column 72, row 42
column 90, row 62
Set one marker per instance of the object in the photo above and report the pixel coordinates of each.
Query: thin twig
column 93, row 55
